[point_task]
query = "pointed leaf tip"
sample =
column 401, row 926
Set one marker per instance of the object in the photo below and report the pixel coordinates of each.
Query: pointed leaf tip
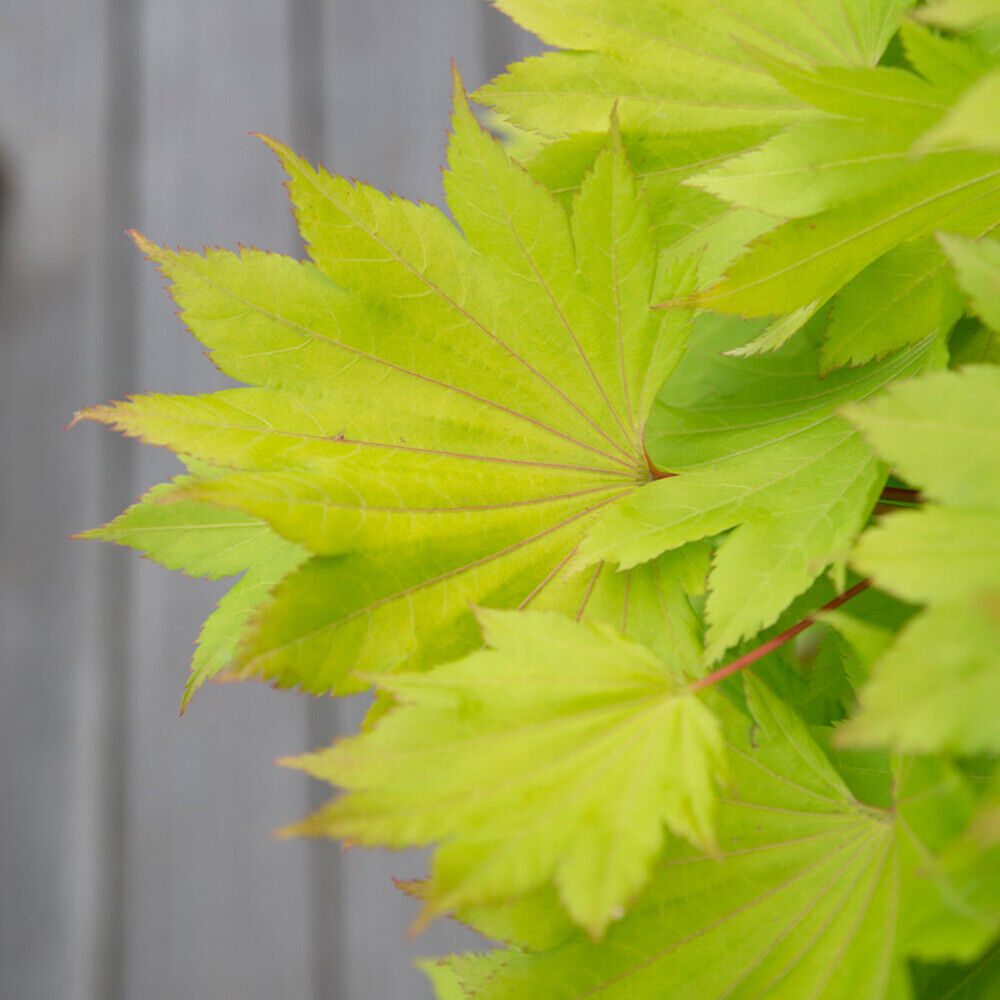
column 143, row 243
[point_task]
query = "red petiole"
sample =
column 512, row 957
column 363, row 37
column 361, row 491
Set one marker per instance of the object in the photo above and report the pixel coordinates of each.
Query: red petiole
column 779, row 640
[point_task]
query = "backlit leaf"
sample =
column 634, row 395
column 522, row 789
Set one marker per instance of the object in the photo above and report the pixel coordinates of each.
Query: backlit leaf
column 936, row 688
column 558, row 754
column 438, row 413
column 813, row 894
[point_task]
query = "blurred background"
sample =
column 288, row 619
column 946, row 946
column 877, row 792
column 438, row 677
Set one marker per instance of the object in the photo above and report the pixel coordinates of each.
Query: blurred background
column 136, row 857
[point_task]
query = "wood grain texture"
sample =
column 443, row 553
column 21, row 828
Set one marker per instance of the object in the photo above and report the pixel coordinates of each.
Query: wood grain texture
column 135, row 852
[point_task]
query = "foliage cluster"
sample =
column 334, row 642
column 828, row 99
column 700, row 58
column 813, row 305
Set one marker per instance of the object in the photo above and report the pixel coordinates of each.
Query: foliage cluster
column 713, row 360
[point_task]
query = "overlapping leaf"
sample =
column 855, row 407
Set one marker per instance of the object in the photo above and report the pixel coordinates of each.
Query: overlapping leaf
column 813, row 894
column 977, row 267
column 977, row 21
column 937, row 687
column 757, row 447
column 558, row 755
column 895, row 156
column 677, row 66
column 687, row 88
column 438, row 416
column 960, row 15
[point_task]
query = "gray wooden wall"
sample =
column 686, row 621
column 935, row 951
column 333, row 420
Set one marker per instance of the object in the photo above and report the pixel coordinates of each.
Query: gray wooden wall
column 135, row 851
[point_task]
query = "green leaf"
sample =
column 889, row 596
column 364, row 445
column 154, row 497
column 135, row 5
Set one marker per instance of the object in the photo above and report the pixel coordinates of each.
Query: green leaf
column 972, row 122
column 902, row 297
column 757, row 447
column 853, row 190
column 817, row 165
column 439, row 415
column 688, row 92
column 973, row 343
column 442, row 978
column 679, row 66
column 972, row 860
column 808, row 169
column 205, row 540
column 228, row 626
column 197, row 538
column 940, row 432
column 536, row 920
column 960, row 982
column 808, row 260
column 813, row 894
column 934, row 554
column 959, row 15
column 936, row 688
column 559, row 753
column 948, row 63
column 977, row 267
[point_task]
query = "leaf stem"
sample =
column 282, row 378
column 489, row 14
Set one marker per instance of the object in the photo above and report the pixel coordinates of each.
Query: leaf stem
column 779, row 640
column 654, row 472
column 898, row 493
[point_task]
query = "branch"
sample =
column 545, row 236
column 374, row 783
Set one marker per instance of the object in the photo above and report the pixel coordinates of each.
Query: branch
column 779, row 640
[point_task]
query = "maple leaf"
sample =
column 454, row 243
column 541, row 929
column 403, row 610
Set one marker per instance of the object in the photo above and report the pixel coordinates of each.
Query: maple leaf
column 813, row 893
column 887, row 162
column 558, row 754
column 208, row 541
column 960, row 15
column 677, row 66
column 977, row 267
column 757, row 446
column 972, row 860
column 936, row 688
column 902, row 297
column 438, row 416
column 688, row 93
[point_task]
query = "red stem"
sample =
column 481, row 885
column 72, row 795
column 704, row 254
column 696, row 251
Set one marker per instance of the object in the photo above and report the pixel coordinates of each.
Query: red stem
column 654, row 472
column 898, row 493
column 779, row 640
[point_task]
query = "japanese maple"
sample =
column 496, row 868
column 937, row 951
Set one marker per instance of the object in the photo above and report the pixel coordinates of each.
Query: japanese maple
column 655, row 491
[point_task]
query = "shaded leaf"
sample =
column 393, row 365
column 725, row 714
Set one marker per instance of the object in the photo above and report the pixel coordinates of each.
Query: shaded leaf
column 977, row 267
column 757, row 447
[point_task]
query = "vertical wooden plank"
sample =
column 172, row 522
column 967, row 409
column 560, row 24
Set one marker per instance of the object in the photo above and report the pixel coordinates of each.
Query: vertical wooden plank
column 386, row 86
column 214, row 906
column 53, row 63
column 328, row 908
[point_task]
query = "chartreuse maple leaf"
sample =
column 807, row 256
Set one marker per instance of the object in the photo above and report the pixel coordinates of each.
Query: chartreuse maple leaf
column 977, row 21
column 687, row 90
column 756, row 446
column 208, row 541
column 813, row 893
column 903, row 296
column 679, row 66
column 879, row 167
column 936, row 688
column 977, row 268
column 960, row 15
column 436, row 414
column 557, row 754
column 972, row 860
